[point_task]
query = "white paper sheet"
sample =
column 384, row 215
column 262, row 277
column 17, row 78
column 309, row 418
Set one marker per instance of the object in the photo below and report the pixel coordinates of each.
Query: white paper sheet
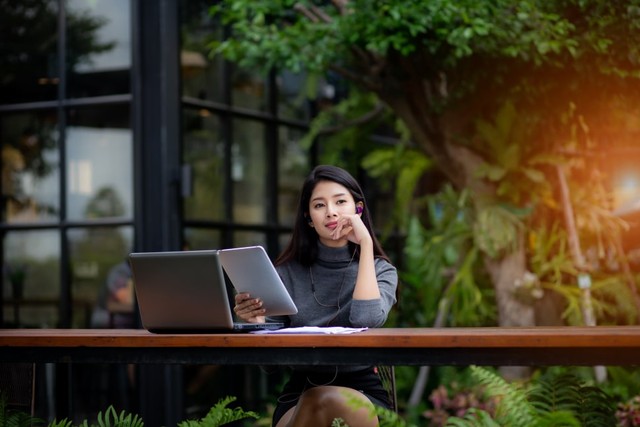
column 312, row 330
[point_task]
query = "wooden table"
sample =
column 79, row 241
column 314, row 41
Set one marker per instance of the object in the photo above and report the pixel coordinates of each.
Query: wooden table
column 497, row 346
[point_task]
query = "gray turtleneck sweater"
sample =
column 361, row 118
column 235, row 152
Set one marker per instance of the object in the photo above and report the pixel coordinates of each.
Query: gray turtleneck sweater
column 333, row 277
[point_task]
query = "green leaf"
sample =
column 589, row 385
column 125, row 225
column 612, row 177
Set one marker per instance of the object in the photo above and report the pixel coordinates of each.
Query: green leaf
column 491, row 172
column 219, row 415
column 534, row 175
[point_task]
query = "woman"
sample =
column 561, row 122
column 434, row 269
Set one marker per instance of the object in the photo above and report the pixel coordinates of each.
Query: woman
column 338, row 275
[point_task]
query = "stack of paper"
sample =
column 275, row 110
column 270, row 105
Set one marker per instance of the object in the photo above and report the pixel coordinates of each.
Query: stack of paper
column 312, row 330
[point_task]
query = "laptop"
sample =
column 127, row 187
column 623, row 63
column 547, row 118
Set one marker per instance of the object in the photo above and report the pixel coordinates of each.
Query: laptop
column 186, row 291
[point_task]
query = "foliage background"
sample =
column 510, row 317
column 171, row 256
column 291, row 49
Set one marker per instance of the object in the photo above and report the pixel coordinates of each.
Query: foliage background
column 509, row 120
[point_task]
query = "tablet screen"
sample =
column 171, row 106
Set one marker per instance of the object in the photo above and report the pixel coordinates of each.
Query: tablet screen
column 250, row 270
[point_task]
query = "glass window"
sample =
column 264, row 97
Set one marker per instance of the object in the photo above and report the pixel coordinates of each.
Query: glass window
column 248, row 172
column 31, row 284
column 99, row 163
column 30, row 167
column 249, row 238
column 98, row 47
column 204, row 153
column 292, row 97
column 28, row 47
column 202, row 76
column 94, row 254
column 283, row 240
column 201, row 238
column 293, row 168
column 248, row 90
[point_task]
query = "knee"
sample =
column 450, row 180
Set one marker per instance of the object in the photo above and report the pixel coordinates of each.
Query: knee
column 319, row 399
column 320, row 406
column 329, row 402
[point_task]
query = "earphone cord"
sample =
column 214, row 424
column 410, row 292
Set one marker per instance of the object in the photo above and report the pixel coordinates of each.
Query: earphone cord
column 337, row 305
column 335, row 375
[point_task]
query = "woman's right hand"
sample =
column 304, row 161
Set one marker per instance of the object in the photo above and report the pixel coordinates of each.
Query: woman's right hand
column 249, row 309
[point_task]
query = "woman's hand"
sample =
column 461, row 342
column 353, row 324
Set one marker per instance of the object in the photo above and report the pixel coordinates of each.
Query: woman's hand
column 249, row 309
column 352, row 228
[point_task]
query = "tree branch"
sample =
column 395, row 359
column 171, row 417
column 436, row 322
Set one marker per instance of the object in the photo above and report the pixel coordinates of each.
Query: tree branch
column 314, row 13
column 300, row 8
column 320, row 14
column 366, row 58
column 341, row 5
column 365, row 118
column 354, row 77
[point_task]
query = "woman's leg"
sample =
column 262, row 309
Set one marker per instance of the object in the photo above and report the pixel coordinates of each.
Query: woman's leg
column 319, row 406
column 284, row 421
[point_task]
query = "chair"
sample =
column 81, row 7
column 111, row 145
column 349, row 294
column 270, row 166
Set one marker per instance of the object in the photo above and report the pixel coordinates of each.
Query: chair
column 17, row 383
column 388, row 377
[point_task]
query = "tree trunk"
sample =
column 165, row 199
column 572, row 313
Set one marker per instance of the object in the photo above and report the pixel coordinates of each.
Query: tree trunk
column 504, row 273
column 511, row 312
column 459, row 165
column 412, row 101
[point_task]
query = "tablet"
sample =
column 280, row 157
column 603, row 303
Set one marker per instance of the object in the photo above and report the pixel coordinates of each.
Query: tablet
column 250, row 270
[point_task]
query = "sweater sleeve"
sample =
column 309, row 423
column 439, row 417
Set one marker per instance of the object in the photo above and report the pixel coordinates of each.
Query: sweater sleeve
column 373, row 313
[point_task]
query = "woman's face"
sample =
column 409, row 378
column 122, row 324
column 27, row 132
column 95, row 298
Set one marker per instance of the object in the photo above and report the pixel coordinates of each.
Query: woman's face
column 329, row 201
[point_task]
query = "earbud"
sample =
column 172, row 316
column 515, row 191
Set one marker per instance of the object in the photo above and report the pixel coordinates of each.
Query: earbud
column 359, row 210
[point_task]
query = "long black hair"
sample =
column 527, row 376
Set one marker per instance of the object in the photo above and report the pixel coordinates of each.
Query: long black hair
column 303, row 245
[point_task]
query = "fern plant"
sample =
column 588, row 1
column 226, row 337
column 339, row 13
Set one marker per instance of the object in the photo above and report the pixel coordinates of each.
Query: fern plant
column 474, row 417
column 556, row 400
column 590, row 405
column 13, row 418
column 219, row 415
column 110, row 418
column 514, row 409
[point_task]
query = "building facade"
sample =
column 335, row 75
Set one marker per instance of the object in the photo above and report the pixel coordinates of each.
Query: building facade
column 120, row 132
